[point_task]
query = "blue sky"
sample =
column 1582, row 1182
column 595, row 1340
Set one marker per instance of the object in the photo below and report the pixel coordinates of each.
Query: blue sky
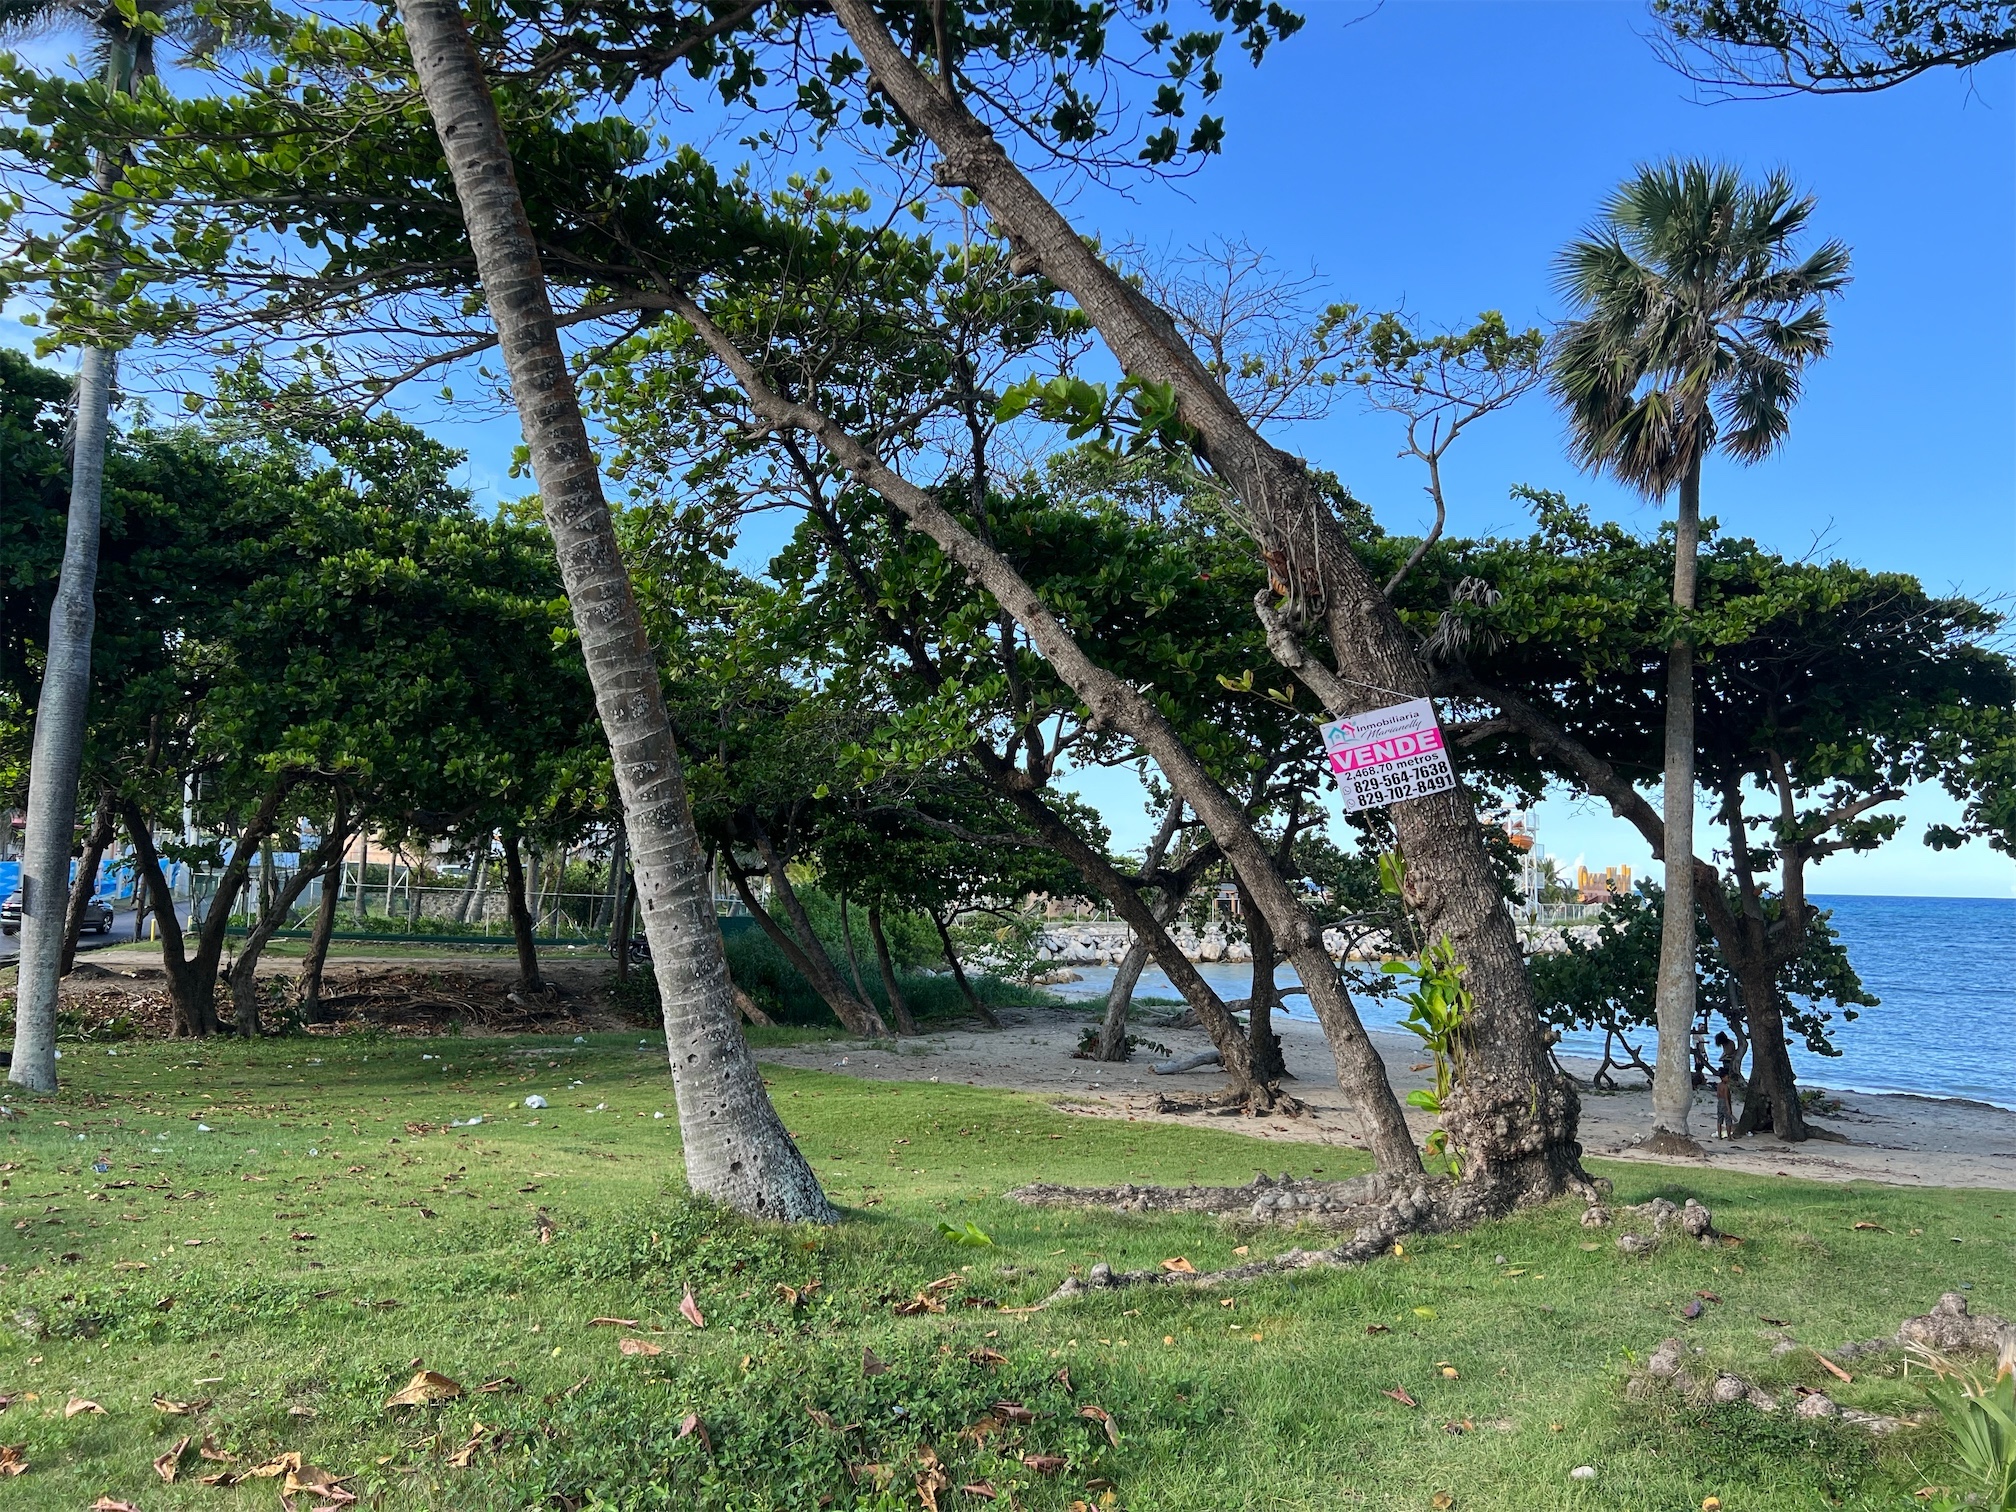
column 1436, row 156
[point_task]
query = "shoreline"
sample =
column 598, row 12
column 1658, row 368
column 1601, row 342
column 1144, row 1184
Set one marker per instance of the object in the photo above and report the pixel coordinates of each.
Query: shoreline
column 1903, row 1139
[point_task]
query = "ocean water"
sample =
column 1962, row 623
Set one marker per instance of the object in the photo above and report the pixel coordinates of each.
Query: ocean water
column 1945, row 969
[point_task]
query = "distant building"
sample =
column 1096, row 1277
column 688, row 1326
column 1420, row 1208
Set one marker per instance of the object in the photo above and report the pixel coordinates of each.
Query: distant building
column 1601, row 887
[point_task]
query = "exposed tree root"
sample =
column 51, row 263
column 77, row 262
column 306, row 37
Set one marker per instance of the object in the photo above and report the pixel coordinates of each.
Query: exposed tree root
column 1259, row 1102
column 1375, row 1209
column 1948, row 1329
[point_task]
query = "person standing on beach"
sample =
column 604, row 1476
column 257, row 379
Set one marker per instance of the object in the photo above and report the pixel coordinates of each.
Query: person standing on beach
column 1725, row 1089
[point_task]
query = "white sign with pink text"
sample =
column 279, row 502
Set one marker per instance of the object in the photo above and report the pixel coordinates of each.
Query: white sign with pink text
column 1388, row 755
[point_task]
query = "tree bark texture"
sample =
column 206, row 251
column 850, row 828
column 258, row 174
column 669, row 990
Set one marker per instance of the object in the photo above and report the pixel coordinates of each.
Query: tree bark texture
column 1515, row 1115
column 85, row 888
column 1672, row 1079
column 1114, row 704
column 56, row 758
column 736, row 1148
column 899, row 1006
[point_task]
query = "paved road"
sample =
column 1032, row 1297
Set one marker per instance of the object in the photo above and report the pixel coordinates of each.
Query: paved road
column 122, row 934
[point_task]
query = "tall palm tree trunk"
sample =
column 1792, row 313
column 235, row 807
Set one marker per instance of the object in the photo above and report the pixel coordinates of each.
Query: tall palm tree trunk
column 57, row 756
column 735, row 1145
column 1673, row 1076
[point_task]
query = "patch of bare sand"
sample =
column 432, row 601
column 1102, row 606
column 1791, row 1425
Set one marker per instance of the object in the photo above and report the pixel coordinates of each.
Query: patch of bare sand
column 1908, row 1141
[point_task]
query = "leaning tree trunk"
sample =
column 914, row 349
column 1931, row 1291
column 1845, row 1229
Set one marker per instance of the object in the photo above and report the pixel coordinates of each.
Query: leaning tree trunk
column 309, row 983
column 529, row 979
column 244, row 976
column 57, row 756
column 1673, row 1080
column 1148, row 925
column 966, row 991
column 736, row 1148
column 853, row 956
column 899, row 1006
column 807, row 956
column 1112, row 1042
column 1119, row 705
column 85, row 888
column 858, row 1015
column 1516, row 1114
column 191, row 1014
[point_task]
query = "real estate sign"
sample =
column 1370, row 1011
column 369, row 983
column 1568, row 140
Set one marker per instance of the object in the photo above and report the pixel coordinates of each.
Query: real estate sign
column 1388, row 755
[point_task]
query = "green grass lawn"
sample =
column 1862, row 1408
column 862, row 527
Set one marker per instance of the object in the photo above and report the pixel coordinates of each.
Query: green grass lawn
column 285, row 1229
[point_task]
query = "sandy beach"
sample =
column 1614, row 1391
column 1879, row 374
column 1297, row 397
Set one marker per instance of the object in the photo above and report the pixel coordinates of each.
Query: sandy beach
column 1905, row 1140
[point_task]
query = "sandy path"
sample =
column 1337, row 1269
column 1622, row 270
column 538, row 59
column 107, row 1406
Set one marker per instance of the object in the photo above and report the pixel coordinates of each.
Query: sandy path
column 1911, row 1141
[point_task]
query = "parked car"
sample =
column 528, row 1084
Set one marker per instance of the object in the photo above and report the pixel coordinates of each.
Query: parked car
column 97, row 915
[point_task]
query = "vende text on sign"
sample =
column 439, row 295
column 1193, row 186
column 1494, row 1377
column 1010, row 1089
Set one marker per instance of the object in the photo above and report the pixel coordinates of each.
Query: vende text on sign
column 1388, row 755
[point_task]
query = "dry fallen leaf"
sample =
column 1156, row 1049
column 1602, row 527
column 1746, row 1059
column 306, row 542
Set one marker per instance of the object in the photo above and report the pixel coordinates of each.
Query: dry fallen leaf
column 1179, row 1265
column 1242, row 1249
column 690, row 1310
column 180, row 1409
column 1831, row 1368
column 692, row 1427
column 208, row 1450
column 931, row 1478
column 426, row 1388
column 477, row 1433
column 130, row 1265
column 1044, row 1464
column 13, row 1458
column 1104, row 1419
column 613, row 1323
column 78, row 1404
column 640, row 1347
column 987, row 1357
column 1399, row 1394
column 1063, row 1378
column 1377, row 1328
column 1013, row 1412
column 502, row 1386
column 1442, row 1501
column 982, row 1489
column 870, row 1365
column 279, row 1465
column 323, row 1483
column 112, row 1504
column 167, row 1463
column 1865, row 1227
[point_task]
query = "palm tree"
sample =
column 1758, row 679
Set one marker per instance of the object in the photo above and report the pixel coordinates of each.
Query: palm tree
column 737, row 1150
column 1695, row 321
column 123, row 46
